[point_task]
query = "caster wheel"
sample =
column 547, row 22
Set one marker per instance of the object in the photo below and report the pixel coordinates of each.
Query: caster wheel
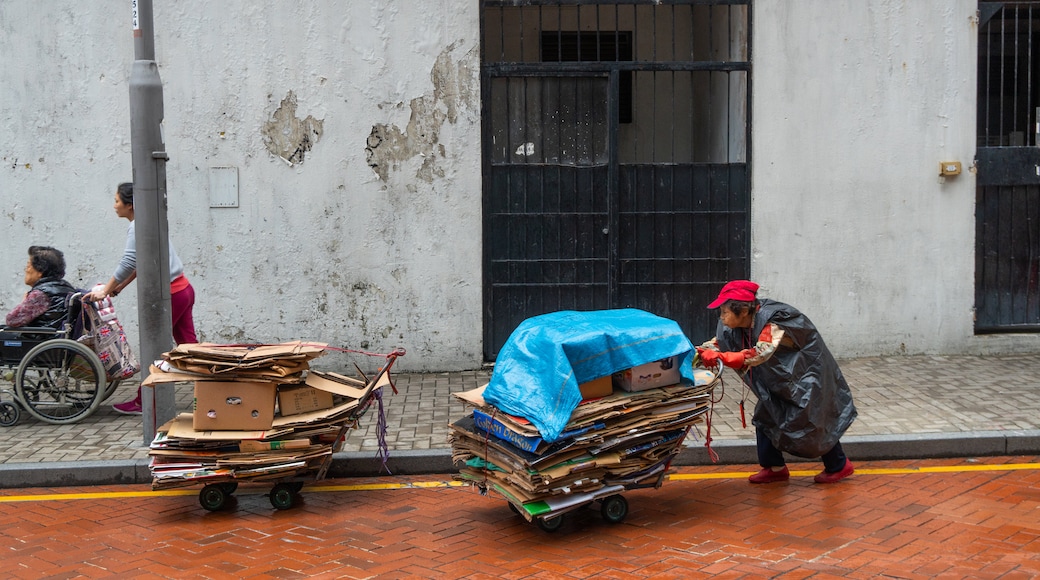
column 614, row 509
column 9, row 414
column 212, row 497
column 229, row 487
column 282, row 496
column 550, row 524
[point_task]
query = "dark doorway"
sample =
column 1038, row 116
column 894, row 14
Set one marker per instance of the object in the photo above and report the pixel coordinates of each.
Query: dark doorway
column 615, row 156
column 1007, row 276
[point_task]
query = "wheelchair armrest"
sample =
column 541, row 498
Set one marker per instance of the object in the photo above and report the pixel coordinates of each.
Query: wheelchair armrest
column 32, row 330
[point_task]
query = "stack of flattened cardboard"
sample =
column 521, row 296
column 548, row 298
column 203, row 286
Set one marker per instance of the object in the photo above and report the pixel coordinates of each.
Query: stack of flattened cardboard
column 621, row 441
column 260, row 413
column 275, row 362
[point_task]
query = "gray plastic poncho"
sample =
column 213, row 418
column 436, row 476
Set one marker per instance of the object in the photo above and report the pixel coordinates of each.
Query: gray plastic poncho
column 804, row 404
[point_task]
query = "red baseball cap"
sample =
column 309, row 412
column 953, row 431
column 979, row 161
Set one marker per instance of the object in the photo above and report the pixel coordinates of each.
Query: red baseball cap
column 742, row 290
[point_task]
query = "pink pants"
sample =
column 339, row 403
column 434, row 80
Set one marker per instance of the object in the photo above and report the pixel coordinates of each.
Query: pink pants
column 181, row 303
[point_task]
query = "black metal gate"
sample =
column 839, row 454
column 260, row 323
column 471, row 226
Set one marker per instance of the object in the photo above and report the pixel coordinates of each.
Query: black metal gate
column 1007, row 215
column 615, row 157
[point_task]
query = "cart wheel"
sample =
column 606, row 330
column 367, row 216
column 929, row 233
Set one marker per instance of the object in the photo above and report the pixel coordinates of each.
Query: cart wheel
column 295, row 486
column 614, row 509
column 9, row 414
column 550, row 524
column 212, row 497
column 228, row 487
column 282, row 496
column 513, row 507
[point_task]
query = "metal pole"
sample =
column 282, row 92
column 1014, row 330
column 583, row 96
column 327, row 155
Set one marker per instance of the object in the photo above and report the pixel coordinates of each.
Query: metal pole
column 152, row 230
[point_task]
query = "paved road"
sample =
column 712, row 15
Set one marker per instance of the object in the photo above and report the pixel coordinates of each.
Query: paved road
column 895, row 519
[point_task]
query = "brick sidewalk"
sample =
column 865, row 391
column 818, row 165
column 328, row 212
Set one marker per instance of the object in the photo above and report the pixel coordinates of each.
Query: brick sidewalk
column 897, row 397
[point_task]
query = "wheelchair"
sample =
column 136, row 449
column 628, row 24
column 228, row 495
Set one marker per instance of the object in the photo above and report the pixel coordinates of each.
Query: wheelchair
column 55, row 378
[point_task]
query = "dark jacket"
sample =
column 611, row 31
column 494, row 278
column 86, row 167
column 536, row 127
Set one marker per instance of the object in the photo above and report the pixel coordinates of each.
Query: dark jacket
column 58, row 291
column 804, row 404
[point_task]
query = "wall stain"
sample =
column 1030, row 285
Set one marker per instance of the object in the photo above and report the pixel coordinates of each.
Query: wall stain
column 289, row 137
column 454, row 89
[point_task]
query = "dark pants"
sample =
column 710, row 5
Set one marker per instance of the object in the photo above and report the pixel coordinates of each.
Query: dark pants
column 770, row 456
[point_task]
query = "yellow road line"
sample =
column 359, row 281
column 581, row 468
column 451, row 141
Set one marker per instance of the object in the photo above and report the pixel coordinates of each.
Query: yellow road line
column 871, row 471
column 195, row 491
column 437, row 484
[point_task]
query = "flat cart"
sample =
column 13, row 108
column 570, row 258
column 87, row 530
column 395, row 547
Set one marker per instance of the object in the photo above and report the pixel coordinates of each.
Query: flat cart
column 292, row 466
column 631, row 444
column 613, row 507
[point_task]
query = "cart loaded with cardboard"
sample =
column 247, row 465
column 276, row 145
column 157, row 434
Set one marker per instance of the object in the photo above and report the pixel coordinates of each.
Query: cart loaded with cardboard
column 261, row 414
column 581, row 407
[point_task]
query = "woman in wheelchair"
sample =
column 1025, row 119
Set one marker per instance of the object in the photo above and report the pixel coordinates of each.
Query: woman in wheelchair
column 45, row 304
column 56, row 378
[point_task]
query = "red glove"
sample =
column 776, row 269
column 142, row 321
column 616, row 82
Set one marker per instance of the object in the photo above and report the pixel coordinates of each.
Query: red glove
column 733, row 360
column 709, row 358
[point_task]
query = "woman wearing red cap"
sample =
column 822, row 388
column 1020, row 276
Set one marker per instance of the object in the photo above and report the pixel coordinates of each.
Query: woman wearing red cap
column 804, row 404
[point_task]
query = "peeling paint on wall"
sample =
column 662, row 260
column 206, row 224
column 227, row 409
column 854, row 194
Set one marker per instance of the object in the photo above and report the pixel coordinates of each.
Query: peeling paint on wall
column 289, row 137
column 454, row 88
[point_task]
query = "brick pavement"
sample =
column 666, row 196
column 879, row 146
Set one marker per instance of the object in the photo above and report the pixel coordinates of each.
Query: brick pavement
column 899, row 397
column 901, row 519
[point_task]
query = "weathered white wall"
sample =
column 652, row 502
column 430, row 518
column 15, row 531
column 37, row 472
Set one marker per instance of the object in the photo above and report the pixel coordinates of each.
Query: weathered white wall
column 326, row 249
column 856, row 102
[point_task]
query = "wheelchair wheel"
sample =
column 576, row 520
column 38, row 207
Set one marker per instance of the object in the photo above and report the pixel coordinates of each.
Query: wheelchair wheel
column 8, row 414
column 60, row 381
column 111, row 389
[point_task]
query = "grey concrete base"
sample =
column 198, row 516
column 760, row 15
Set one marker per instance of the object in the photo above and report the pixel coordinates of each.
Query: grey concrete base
column 438, row 461
column 880, row 447
column 71, row 473
column 412, row 462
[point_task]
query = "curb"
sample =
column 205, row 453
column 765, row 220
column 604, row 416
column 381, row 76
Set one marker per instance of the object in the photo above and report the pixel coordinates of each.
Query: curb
column 438, row 461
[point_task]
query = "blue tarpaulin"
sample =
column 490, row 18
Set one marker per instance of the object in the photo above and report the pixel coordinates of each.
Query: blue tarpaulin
column 538, row 370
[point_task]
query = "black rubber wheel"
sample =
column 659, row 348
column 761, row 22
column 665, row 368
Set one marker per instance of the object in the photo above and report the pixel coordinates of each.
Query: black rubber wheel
column 295, row 486
column 212, row 497
column 282, row 496
column 550, row 523
column 111, row 389
column 614, row 509
column 229, row 487
column 60, row 381
column 9, row 414
column 512, row 506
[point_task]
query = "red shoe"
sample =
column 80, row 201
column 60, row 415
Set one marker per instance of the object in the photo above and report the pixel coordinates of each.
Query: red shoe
column 767, row 475
column 128, row 408
column 826, row 477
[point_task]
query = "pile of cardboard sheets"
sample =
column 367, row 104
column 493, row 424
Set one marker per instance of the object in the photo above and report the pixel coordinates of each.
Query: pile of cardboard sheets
column 259, row 413
column 620, row 441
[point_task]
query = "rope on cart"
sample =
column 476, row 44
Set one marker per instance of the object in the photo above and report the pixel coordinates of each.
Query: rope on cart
column 707, row 437
column 711, row 411
column 384, row 450
column 483, row 485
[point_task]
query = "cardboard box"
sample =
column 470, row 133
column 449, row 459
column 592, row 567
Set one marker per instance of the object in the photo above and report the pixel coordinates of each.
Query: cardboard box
column 233, row 406
column 596, row 388
column 296, row 399
column 661, row 373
